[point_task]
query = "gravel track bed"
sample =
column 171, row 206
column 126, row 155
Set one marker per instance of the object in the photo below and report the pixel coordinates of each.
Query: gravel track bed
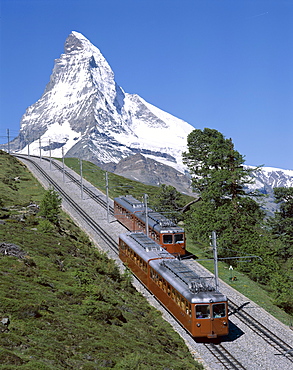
column 246, row 346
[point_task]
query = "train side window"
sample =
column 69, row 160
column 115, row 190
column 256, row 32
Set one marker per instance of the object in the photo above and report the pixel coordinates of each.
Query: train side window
column 165, row 286
column 219, row 310
column 154, row 276
column 167, row 239
column 178, row 238
column 202, row 311
column 183, row 304
column 188, row 309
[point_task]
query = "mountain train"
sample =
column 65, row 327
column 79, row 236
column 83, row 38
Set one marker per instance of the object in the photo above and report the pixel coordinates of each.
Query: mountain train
column 199, row 308
column 133, row 214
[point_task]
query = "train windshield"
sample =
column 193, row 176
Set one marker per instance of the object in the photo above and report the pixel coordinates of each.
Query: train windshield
column 167, row 239
column 178, row 238
column 202, row 311
column 219, row 310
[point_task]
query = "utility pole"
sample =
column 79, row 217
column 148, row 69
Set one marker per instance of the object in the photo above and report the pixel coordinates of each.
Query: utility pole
column 63, row 163
column 146, row 215
column 214, row 243
column 8, row 140
column 107, row 195
column 81, row 183
column 50, row 154
column 40, row 148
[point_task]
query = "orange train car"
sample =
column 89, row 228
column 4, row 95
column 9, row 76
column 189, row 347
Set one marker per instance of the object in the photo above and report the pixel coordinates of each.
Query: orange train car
column 133, row 215
column 200, row 309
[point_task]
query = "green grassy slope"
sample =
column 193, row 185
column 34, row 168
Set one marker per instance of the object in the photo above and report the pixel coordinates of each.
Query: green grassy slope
column 67, row 304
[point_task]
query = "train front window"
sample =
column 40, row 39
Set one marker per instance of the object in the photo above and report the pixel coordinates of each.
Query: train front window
column 167, row 239
column 202, row 311
column 178, row 238
column 219, row 310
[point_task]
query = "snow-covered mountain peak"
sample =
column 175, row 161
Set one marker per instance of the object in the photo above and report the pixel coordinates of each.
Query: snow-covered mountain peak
column 95, row 119
column 73, row 44
column 76, row 42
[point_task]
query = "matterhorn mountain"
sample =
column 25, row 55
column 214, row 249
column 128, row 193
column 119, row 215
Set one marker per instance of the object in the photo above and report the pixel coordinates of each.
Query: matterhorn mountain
column 84, row 113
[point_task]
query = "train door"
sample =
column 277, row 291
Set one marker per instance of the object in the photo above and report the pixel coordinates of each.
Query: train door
column 203, row 319
column 219, row 318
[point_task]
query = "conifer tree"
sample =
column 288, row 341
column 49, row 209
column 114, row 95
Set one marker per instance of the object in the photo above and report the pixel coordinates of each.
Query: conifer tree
column 50, row 206
column 220, row 178
column 282, row 224
column 169, row 202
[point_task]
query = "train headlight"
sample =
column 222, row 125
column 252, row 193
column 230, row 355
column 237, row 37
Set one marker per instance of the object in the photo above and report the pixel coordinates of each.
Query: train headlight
column 198, row 324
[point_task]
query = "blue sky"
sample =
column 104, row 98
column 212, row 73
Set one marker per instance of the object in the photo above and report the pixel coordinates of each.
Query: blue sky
column 222, row 64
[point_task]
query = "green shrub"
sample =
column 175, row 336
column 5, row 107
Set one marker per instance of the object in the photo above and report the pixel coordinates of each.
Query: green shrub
column 45, row 226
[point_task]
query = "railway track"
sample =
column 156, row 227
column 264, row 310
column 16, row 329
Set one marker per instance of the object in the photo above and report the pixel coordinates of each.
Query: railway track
column 111, row 243
column 76, row 181
column 221, row 354
column 86, row 190
column 272, row 339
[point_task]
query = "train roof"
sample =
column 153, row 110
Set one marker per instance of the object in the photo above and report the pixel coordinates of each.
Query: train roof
column 192, row 286
column 156, row 220
column 144, row 246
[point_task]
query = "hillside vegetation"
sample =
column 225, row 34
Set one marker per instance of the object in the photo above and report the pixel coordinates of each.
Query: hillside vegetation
column 64, row 304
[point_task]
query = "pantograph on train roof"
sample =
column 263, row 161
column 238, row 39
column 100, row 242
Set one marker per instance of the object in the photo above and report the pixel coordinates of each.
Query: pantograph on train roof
column 194, row 282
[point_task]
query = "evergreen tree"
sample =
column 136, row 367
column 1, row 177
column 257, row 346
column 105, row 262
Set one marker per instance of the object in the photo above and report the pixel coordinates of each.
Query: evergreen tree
column 281, row 227
column 225, row 206
column 282, row 223
column 220, row 179
column 50, row 206
column 169, row 202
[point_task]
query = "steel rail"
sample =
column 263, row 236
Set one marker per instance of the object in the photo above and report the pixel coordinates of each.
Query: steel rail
column 92, row 223
column 86, row 189
column 271, row 338
column 224, row 356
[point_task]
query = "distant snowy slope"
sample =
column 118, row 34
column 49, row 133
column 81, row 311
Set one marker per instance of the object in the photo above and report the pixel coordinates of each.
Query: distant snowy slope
column 270, row 177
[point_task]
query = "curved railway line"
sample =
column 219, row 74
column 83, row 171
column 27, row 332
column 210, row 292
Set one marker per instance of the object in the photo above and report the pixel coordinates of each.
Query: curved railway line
column 222, row 356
